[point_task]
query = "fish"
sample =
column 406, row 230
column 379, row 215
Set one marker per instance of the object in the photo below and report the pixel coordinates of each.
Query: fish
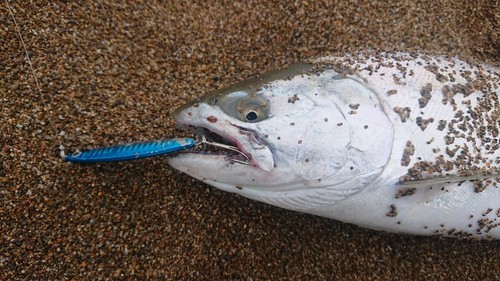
column 398, row 142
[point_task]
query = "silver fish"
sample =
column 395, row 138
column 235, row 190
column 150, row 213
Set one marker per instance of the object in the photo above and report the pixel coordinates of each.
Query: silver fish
column 397, row 142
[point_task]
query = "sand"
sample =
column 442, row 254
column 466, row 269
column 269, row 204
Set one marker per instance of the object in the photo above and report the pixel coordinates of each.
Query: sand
column 114, row 73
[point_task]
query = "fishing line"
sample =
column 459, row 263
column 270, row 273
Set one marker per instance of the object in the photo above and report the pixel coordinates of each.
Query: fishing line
column 26, row 53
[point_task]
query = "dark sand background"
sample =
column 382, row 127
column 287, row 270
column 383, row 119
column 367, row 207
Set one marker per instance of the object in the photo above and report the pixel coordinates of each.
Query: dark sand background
column 113, row 73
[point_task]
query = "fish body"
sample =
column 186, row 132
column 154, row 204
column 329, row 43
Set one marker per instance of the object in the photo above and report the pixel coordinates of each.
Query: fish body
column 397, row 142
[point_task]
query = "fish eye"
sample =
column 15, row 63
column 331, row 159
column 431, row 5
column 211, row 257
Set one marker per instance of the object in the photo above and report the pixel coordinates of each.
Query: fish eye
column 246, row 107
column 252, row 109
column 251, row 115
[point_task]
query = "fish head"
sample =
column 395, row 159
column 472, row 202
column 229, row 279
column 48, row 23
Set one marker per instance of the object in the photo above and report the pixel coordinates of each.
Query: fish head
column 299, row 129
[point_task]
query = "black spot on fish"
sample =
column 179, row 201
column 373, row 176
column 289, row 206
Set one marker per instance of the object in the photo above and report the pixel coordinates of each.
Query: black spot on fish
column 293, row 99
column 393, row 212
column 425, row 92
column 392, row 92
column 423, row 123
column 212, row 119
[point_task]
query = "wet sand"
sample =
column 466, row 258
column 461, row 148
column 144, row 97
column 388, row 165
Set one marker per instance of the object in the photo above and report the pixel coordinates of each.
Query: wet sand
column 110, row 74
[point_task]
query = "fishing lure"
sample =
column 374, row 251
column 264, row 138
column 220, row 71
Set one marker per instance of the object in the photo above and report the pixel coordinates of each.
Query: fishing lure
column 131, row 151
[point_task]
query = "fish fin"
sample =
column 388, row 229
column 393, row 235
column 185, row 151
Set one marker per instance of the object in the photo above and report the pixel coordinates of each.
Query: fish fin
column 445, row 180
column 303, row 201
column 318, row 195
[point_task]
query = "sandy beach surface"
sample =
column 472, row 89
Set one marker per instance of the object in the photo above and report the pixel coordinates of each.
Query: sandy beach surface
column 114, row 73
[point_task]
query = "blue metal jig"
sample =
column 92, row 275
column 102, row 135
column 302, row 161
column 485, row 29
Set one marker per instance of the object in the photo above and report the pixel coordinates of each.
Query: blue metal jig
column 131, row 151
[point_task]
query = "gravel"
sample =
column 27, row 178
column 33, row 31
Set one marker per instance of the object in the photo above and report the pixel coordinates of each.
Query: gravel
column 114, row 73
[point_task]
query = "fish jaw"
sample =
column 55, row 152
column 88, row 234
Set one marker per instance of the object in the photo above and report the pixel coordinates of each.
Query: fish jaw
column 201, row 115
column 215, row 170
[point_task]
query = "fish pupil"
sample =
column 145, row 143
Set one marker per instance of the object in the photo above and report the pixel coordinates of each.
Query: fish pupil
column 251, row 116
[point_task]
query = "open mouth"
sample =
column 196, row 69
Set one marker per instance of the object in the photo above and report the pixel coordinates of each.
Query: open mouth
column 219, row 137
column 211, row 143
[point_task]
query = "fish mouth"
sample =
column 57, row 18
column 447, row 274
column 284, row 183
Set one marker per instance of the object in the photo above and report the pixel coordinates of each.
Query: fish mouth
column 234, row 144
column 210, row 143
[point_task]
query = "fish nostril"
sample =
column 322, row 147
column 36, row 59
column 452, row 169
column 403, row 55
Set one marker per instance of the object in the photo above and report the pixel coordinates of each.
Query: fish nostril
column 212, row 119
column 213, row 101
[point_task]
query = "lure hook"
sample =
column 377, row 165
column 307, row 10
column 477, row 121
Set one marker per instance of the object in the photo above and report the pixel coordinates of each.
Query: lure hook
column 228, row 147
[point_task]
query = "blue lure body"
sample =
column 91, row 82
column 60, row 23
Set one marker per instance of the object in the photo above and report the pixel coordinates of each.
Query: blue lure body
column 131, row 151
